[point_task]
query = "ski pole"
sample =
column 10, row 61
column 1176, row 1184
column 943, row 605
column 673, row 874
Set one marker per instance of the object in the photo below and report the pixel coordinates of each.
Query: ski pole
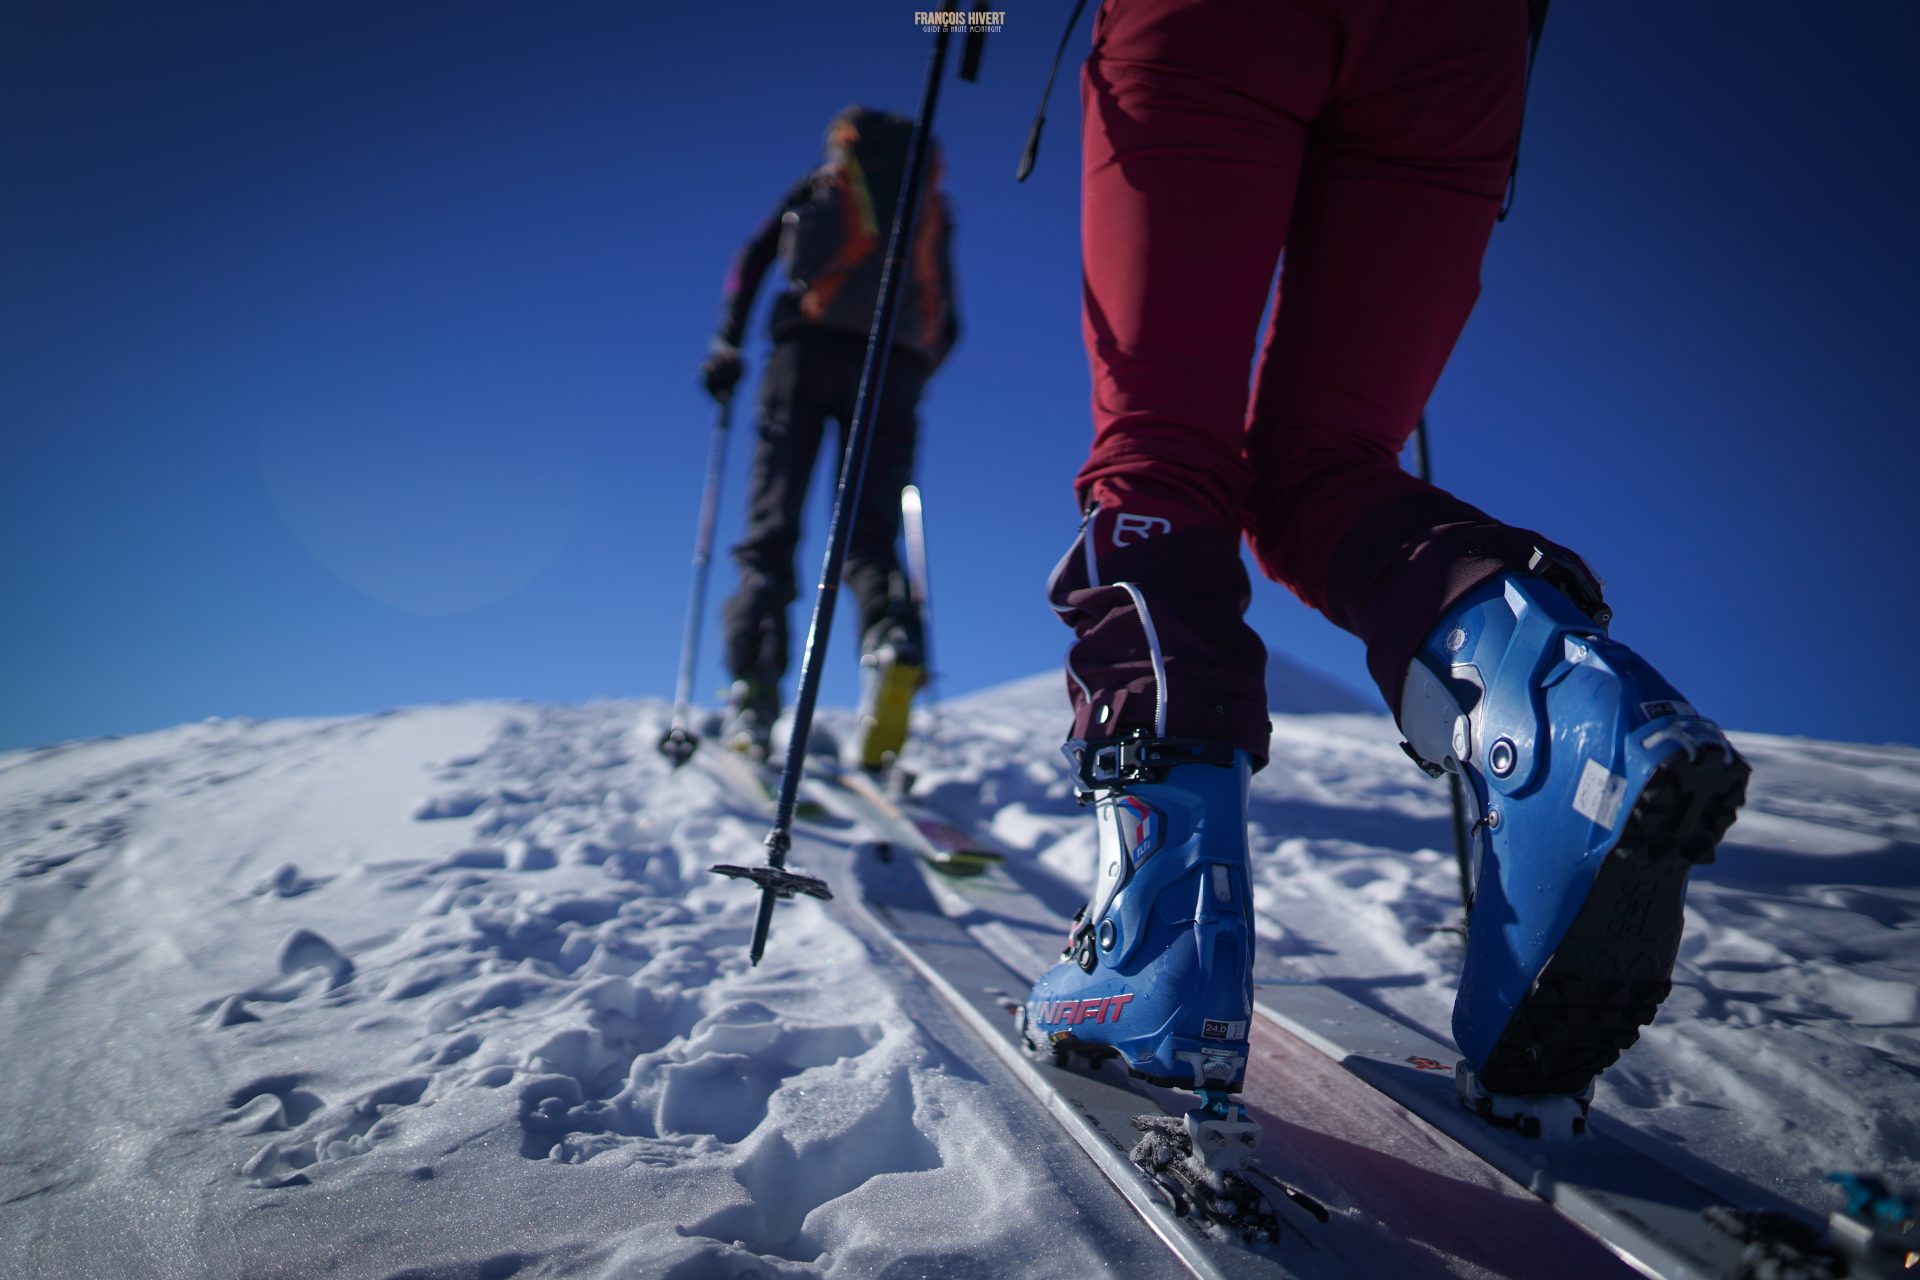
column 678, row 743
column 1455, row 790
column 774, row 879
column 920, row 586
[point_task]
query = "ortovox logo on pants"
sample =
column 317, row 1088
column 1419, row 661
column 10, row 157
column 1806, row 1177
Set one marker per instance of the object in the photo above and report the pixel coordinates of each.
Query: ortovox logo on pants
column 1142, row 527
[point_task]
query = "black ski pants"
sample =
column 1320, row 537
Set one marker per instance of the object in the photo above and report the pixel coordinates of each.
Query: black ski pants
column 812, row 376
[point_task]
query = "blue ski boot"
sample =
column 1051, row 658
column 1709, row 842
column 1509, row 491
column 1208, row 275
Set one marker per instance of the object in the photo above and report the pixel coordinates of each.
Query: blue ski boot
column 1159, row 966
column 1596, row 788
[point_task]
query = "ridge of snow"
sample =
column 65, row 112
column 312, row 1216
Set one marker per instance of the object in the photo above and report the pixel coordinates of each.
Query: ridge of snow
column 1292, row 689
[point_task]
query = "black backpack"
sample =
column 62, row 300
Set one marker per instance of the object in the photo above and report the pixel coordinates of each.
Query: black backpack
column 834, row 243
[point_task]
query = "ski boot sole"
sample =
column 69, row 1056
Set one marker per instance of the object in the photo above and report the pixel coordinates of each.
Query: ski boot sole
column 1091, row 1055
column 1064, row 1050
column 1610, row 972
column 1184, row 1082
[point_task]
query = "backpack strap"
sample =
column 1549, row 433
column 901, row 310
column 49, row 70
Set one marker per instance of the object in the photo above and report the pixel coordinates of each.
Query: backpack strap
column 1536, row 22
column 1032, row 151
column 859, row 236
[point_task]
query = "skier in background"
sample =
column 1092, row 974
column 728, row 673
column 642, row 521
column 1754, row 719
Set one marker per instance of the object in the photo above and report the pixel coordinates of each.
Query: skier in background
column 830, row 232
column 1374, row 141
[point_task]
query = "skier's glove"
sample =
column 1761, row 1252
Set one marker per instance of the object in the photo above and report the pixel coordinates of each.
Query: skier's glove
column 722, row 370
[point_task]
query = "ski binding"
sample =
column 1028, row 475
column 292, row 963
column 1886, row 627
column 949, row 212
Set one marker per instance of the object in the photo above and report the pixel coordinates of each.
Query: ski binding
column 1199, row 1162
column 1221, row 1136
column 1552, row 1116
column 1879, row 1231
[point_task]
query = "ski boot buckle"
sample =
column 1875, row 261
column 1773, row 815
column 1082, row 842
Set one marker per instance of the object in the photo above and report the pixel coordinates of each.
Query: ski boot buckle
column 1136, row 756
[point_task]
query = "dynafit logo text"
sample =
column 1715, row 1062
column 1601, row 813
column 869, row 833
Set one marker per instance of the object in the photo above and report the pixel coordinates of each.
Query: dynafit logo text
column 1073, row 1012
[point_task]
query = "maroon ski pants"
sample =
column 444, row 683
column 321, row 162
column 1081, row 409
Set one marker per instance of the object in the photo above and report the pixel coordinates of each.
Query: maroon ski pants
column 1371, row 140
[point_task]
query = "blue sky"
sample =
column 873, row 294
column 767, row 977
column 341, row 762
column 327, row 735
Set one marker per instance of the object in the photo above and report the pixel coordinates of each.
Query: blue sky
column 347, row 354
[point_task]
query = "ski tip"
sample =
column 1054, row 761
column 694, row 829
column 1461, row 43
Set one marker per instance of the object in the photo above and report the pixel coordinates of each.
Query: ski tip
column 963, row 865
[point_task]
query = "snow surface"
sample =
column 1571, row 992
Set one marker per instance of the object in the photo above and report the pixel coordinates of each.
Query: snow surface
column 449, row 992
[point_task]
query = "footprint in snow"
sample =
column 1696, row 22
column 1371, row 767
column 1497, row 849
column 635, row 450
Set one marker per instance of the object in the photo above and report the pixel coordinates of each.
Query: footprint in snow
column 285, row 881
column 452, row 804
column 336, row 1133
column 305, row 949
column 271, row 1104
column 307, row 962
column 790, row 1173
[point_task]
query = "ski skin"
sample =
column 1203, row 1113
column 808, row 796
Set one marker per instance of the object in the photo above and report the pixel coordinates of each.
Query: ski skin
column 1617, row 1191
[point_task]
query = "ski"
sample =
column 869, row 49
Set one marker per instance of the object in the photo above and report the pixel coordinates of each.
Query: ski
column 1662, row 1211
column 1373, row 1120
column 1097, row 1109
column 755, row 786
column 899, row 821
